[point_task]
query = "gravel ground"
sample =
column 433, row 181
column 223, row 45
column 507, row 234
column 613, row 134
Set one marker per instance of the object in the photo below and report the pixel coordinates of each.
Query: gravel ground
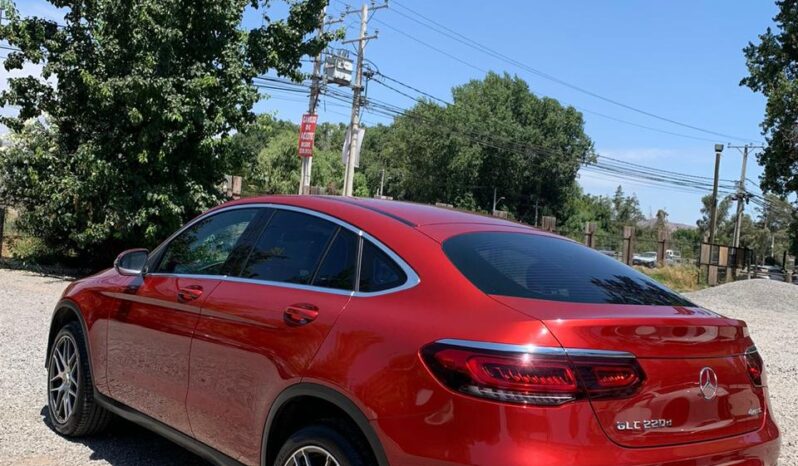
column 26, row 302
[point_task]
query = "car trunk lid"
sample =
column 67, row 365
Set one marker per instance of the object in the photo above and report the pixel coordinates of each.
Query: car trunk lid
column 679, row 349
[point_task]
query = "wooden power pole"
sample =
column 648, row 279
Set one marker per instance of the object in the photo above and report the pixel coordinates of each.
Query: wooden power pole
column 315, row 90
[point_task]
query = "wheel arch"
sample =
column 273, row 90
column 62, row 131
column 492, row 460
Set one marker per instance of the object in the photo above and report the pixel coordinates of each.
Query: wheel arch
column 326, row 395
column 67, row 311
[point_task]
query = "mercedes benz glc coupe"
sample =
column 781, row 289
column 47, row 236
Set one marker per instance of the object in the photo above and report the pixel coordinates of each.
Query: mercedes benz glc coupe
column 304, row 331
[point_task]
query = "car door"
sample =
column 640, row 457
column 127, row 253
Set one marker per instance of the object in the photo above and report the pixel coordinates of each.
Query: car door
column 258, row 332
column 149, row 333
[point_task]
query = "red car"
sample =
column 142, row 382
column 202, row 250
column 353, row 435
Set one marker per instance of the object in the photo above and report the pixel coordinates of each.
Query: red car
column 330, row 331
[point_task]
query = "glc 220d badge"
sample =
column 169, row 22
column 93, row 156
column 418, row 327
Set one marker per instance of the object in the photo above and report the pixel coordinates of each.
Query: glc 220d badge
column 644, row 424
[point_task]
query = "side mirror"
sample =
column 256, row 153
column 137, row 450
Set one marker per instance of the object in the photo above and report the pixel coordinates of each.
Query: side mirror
column 131, row 262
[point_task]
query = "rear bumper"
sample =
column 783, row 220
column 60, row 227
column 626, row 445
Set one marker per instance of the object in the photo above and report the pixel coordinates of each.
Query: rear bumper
column 470, row 432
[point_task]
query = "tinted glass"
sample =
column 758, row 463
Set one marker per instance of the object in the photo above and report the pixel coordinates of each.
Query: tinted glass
column 378, row 271
column 204, row 248
column 541, row 267
column 290, row 248
column 337, row 269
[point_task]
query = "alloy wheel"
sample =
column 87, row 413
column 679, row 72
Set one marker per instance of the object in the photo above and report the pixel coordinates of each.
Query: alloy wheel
column 311, row 455
column 64, row 379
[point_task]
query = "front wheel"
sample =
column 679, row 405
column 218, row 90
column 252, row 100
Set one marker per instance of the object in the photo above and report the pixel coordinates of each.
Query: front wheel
column 70, row 392
column 325, row 444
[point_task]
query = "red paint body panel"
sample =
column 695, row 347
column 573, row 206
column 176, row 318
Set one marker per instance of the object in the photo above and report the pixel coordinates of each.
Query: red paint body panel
column 149, row 338
column 244, row 352
column 645, row 331
column 213, row 367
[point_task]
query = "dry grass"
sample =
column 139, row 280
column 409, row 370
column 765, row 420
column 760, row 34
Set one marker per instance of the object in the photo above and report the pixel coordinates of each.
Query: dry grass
column 677, row 277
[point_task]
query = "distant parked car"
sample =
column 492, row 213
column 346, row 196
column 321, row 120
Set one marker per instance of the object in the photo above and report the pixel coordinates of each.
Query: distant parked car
column 761, row 271
column 608, row 253
column 776, row 273
column 645, row 259
column 673, row 257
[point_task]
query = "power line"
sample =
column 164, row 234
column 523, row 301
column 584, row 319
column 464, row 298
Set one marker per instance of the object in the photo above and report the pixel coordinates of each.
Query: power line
column 454, row 35
column 408, row 86
column 604, row 165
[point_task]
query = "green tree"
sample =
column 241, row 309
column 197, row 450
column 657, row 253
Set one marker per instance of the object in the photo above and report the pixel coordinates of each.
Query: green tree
column 271, row 162
column 662, row 220
column 582, row 208
column 773, row 71
column 138, row 126
column 724, row 225
column 625, row 210
column 496, row 135
column 772, row 234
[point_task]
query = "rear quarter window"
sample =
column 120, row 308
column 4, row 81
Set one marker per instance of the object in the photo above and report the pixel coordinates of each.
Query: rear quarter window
column 550, row 268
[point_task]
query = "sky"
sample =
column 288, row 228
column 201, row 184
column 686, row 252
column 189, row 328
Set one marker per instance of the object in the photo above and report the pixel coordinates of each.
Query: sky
column 681, row 60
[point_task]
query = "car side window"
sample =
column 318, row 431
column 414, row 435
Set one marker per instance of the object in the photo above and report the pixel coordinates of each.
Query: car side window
column 290, row 248
column 337, row 269
column 378, row 272
column 203, row 248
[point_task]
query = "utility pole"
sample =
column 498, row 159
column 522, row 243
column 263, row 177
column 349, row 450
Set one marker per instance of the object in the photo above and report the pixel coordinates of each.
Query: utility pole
column 496, row 202
column 382, row 180
column 315, row 89
column 741, row 195
column 357, row 88
column 713, row 213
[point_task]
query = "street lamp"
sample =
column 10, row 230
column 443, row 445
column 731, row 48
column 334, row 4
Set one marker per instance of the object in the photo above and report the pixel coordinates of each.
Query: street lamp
column 714, row 208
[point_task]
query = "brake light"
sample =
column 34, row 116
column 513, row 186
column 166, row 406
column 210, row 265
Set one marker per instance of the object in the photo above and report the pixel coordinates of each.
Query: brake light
column 614, row 377
column 539, row 376
column 756, row 367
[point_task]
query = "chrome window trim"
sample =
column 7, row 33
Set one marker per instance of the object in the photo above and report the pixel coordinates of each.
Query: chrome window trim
column 411, row 281
column 537, row 350
column 228, row 278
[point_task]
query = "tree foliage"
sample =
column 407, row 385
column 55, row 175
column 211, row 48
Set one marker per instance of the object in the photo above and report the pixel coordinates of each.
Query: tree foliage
column 271, row 161
column 135, row 112
column 773, row 71
column 496, row 135
column 455, row 155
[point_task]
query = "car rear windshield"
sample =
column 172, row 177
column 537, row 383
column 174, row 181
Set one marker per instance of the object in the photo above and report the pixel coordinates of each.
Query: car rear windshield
column 544, row 267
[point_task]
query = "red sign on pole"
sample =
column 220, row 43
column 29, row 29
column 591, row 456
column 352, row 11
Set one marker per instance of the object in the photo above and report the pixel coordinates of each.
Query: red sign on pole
column 307, row 133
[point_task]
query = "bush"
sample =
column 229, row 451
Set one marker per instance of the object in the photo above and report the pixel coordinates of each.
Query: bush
column 677, row 277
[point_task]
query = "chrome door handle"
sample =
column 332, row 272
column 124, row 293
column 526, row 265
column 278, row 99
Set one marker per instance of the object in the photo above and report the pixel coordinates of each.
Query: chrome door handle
column 300, row 314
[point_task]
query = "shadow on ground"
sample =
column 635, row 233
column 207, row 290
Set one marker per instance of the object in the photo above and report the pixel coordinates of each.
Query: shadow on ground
column 127, row 444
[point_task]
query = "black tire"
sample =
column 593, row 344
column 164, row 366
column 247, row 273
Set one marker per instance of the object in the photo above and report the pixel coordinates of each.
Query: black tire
column 339, row 439
column 85, row 417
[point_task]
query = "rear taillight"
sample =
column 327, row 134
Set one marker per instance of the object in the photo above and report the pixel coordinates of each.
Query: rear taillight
column 755, row 366
column 538, row 376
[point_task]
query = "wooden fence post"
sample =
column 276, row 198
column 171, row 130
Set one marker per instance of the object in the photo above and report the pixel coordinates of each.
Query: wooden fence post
column 549, row 223
column 628, row 245
column 590, row 231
